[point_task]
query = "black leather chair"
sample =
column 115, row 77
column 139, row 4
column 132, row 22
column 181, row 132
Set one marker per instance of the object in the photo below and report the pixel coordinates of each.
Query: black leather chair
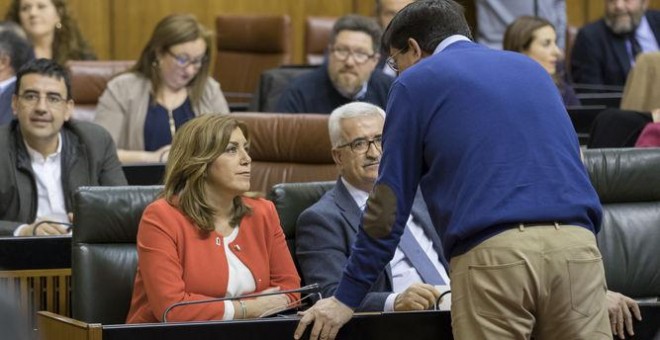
column 271, row 85
column 104, row 256
column 628, row 184
column 290, row 200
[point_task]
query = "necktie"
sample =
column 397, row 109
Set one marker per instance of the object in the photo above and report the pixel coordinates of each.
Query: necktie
column 635, row 47
column 415, row 254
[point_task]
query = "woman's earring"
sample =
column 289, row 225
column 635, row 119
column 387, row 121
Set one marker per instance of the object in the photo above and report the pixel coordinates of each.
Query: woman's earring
column 58, row 25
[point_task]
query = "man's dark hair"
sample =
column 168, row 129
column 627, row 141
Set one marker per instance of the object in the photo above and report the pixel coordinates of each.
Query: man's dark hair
column 428, row 22
column 44, row 67
column 359, row 23
column 16, row 47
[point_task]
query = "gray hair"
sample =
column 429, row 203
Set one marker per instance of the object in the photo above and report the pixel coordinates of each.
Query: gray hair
column 350, row 110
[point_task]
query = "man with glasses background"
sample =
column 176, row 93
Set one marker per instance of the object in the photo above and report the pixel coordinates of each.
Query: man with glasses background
column 326, row 231
column 46, row 156
column 346, row 76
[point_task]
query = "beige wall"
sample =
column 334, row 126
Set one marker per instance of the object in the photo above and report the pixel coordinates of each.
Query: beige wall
column 117, row 29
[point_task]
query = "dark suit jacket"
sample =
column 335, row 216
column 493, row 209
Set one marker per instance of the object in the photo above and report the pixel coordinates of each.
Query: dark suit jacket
column 600, row 57
column 89, row 158
column 313, row 92
column 6, row 114
column 324, row 236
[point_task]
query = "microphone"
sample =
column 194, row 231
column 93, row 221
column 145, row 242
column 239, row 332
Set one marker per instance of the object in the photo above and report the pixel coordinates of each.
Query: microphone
column 311, row 288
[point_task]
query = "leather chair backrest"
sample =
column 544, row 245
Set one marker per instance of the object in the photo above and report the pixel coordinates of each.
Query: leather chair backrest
column 246, row 46
column 88, row 81
column 288, row 148
column 104, row 255
column 317, row 37
column 290, row 200
column 628, row 184
column 271, row 85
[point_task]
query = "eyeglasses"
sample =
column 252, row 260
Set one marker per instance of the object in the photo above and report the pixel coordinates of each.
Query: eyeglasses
column 31, row 99
column 342, row 54
column 362, row 145
column 392, row 63
column 183, row 60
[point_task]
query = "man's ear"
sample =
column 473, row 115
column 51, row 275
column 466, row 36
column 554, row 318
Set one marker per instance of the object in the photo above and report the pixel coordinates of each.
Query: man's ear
column 14, row 104
column 336, row 156
column 69, row 110
column 415, row 49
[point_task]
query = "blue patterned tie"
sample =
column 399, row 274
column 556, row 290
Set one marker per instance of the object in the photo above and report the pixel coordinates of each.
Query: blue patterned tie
column 416, row 255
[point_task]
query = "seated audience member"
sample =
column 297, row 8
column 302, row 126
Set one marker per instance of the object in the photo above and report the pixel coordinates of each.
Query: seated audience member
column 54, row 33
column 205, row 239
column 537, row 38
column 46, row 156
column 15, row 50
column 169, row 85
column 385, row 11
column 326, row 231
column 493, row 17
column 346, row 76
column 605, row 51
column 637, row 120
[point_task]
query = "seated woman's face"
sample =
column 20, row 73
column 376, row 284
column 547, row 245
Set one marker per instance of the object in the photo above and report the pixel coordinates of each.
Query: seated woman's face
column 544, row 48
column 229, row 174
column 38, row 17
column 180, row 63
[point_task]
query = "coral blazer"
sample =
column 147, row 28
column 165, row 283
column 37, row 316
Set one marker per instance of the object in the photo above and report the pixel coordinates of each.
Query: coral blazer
column 178, row 262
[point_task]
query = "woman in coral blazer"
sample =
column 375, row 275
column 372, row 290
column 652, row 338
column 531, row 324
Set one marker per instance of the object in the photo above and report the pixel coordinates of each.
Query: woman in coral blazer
column 204, row 239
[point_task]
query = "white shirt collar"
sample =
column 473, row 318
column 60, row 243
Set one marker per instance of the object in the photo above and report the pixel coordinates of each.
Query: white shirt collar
column 37, row 156
column 5, row 83
column 359, row 196
column 448, row 41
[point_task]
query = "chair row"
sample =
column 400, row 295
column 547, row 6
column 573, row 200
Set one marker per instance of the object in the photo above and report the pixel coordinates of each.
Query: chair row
column 104, row 254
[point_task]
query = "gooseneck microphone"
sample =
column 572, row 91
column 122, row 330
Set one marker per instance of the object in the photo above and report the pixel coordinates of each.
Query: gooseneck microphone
column 310, row 288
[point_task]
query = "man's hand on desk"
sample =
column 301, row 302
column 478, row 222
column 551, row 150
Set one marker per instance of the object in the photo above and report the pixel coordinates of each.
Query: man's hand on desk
column 619, row 307
column 419, row 296
column 328, row 316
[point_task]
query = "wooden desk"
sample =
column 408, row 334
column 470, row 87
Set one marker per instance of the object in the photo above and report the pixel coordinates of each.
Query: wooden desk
column 37, row 271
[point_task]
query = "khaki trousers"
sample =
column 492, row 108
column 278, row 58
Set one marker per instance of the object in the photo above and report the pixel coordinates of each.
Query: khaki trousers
column 542, row 281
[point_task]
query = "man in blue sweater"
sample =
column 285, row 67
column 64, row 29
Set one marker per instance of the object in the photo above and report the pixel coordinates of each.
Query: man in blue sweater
column 485, row 135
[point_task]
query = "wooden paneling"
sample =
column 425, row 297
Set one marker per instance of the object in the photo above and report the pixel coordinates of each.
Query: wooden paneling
column 118, row 29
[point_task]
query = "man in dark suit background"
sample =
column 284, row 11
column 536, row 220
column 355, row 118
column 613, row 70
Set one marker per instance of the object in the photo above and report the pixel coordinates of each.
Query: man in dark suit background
column 326, row 230
column 15, row 50
column 605, row 51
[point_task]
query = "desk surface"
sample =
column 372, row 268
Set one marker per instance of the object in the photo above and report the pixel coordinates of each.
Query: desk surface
column 382, row 326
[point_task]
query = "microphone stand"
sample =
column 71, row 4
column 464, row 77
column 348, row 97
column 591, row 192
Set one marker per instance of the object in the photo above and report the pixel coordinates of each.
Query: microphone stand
column 308, row 288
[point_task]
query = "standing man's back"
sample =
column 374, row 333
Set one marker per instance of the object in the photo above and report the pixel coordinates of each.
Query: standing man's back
column 485, row 134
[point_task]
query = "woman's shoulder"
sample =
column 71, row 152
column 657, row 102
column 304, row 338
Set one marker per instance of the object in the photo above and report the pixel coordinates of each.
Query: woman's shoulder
column 259, row 205
column 131, row 79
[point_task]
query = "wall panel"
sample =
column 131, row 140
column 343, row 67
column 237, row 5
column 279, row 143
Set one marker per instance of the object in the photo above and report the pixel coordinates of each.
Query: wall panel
column 118, row 29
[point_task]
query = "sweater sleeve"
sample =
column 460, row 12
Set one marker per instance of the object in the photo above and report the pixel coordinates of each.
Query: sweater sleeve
column 162, row 271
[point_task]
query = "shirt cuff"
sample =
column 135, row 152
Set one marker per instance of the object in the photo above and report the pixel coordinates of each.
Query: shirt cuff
column 229, row 311
column 389, row 302
column 17, row 231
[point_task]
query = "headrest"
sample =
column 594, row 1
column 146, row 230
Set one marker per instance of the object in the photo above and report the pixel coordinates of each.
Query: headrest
column 253, row 33
column 110, row 214
column 625, row 175
column 317, row 34
column 292, row 138
column 291, row 199
column 89, row 78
